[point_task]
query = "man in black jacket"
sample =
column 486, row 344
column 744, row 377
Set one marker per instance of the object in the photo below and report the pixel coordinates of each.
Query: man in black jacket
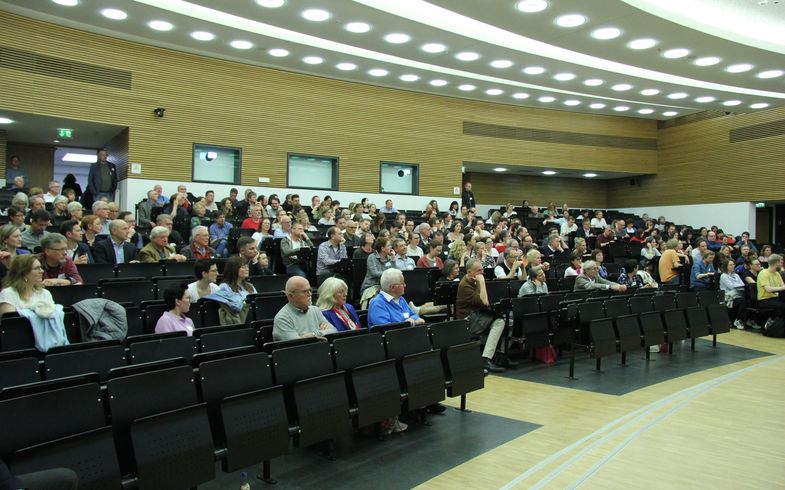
column 115, row 250
column 102, row 177
column 467, row 198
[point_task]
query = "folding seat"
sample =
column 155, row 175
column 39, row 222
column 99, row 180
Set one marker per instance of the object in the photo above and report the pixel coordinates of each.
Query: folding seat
column 602, row 339
column 708, row 297
column 332, row 337
column 59, row 423
column 372, row 378
column 225, row 337
column 567, row 283
column 618, row 250
column 127, row 290
column 550, row 301
column 461, row 358
column 445, row 293
column 686, row 300
column 645, row 291
column 172, row 268
column 719, row 321
column 525, row 305
column 68, row 295
column 269, row 284
column 698, row 322
column 247, row 411
column 162, row 433
column 386, row 327
column 19, row 367
column 663, row 302
column 652, row 329
column 577, row 296
column 92, row 273
column 417, row 287
column 317, row 400
column 640, row 304
column 270, row 347
column 265, row 331
column 675, row 326
column 135, row 320
column 88, row 357
column 140, row 269
column 266, row 306
column 209, row 309
column 628, row 331
column 162, row 283
column 588, row 312
column 419, row 368
column 16, row 333
column 166, row 347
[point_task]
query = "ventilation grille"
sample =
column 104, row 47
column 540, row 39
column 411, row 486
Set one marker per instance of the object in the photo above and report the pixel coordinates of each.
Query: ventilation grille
column 757, row 131
column 560, row 137
column 17, row 59
column 690, row 118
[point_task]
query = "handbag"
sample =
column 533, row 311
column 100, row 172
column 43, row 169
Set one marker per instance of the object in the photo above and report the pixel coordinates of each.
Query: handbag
column 480, row 321
column 545, row 355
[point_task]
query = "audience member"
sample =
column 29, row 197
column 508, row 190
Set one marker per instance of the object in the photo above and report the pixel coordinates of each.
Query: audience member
column 329, row 255
column 735, row 300
column 14, row 170
column 291, row 248
column 219, row 235
column 159, row 249
column 102, row 178
column 232, row 292
column 200, row 244
column 377, row 262
column 366, row 248
column 401, row 261
column 703, row 272
column 178, row 303
column 256, row 261
column 39, row 222
column 206, row 272
column 590, row 279
column 576, row 260
column 770, row 285
column 536, row 283
column 332, row 302
column 389, row 306
column 59, row 270
column 432, row 258
column 175, row 237
column 511, row 267
column 299, row 318
column 115, row 250
column 471, row 302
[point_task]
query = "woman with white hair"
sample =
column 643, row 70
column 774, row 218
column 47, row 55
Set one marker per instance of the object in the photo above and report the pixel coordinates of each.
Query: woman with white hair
column 60, row 210
column 75, row 210
column 332, row 301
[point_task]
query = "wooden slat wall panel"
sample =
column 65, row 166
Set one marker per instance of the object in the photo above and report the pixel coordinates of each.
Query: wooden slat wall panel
column 270, row 112
column 578, row 193
column 117, row 153
column 3, row 152
column 698, row 164
column 38, row 160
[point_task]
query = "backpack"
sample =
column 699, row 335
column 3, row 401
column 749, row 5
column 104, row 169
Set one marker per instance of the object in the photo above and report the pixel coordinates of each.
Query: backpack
column 774, row 328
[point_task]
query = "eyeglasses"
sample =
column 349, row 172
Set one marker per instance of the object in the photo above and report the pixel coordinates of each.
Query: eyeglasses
column 303, row 291
column 57, row 249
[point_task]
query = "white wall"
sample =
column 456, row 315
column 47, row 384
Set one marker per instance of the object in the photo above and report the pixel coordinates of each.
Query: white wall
column 733, row 217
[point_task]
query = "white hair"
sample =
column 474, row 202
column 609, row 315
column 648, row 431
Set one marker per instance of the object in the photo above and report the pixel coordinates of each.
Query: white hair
column 389, row 278
column 327, row 292
column 158, row 230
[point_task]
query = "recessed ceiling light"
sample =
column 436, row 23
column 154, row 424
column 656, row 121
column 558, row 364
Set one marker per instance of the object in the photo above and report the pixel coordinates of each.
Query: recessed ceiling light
column 645, row 111
column 114, row 14
column 520, row 95
column 203, row 35
column 570, row 20
column 315, row 15
column 500, row 169
column 409, row 78
column 467, row 56
column 564, row 77
column 678, row 95
column 621, row 108
column 397, row 38
column 676, row 53
column 241, row 44
column 572, row 102
column 705, row 99
column 621, row 87
column 739, row 68
column 759, row 105
column 438, row 83
column 531, row 6
column 494, row 91
column 670, row 113
column 546, row 99
column 650, row 91
column 278, row 52
column 466, row 87
column 5, row 120
column 707, row 61
column 346, row 66
column 378, row 72
column 534, row 70
column 313, row 60
column 66, row 3
column 270, row 4
column 605, row 33
column 548, row 172
column 731, row 103
column 770, row 74
column 644, row 43
column 160, row 25
column 433, row 48
column 501, row 63
column 357, row 27
column 590, row 175
column 597, row 105
column 55, row 141
column 593, row 82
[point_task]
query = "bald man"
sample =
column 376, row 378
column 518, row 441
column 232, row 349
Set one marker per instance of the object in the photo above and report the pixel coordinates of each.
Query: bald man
column 115, row 250
column 299, row 318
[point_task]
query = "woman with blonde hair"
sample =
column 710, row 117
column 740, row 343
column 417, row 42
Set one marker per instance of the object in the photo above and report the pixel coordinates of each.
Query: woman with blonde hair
column 459, row 252
column 91, row 224
column 337, row 311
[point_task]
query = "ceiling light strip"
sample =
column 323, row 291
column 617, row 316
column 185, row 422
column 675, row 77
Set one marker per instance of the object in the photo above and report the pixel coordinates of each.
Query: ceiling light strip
column 440, row 18
column 214, row 16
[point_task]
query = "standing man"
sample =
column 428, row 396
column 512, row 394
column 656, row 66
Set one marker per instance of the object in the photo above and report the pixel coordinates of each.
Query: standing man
column 102, row 178
column 115, row 250
column 330, row 253
column 467, row 198
column 146, row 210
column 14, row 170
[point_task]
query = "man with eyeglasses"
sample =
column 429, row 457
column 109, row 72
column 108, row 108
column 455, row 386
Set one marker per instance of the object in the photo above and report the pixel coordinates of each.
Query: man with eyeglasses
column 351, row 239
column 59, row 270
column 389, row 306
column 299, row 318
column 36, row 232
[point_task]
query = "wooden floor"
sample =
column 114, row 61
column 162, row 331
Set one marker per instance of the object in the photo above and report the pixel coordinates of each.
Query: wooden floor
column 722, row 428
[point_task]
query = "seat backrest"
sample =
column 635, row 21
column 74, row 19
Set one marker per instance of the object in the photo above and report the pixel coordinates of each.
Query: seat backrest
column 128, row 291
column 525, row 305
column 550, row 301
column 577, row 295
column 162, row 283
column 266, row 306
column 417, row 286
column 707, row 297
column 640, row 304
column 590, row 311
column 567, row 283
column 674, row 319
column 146, row 270
column 158, row 350
column 269, row 284
column 628, row 326
column 151, row 315
column 651, row 322
column 601, row 330
column 447, row 334
column 96, row 360
column 686, row 300
column 92, row 273
column 356, row 351
column 302, row 362
column 663, row 302
column 404, row 341
column 20, row 371
column 209, row 310
column 616, row 307
column 16, row 333
column 173, row 268
column 68, row 295
column 234, row 375
column 270, row 347
column 498, row 290
column 386, row 327
column 227, row 339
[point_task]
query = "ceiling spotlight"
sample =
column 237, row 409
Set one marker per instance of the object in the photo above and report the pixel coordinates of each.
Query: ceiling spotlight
column 650, row 91
column 670, row 113
column 531, row 6
column 770, row 74
column 357, row 27
column 731, row 103
column 5, row 120
column 564, row 77
column 593, row 82
column 520, row 95
column 621, row 108
column 707, row 61
column 570, row 20
column 546, row 99
column 346, row 66
column 678, row 95
column 597, row 105
column 534, row 70
column 278, row 52
column 759, row 105
column 313, row 60
column 494, row 91
column 160, row 25
column 676, row 53
column 241, row 44
column 644, row 43
column 572, row 102
column 409, row 78
column 378, row 72
column 397, row 38
column 270, row 4
column 605, row 33
column 645, row 111
column 315, row 15
column 114, row 14
column 203, row 35
column 500, row 169
column 501, row 63
column 433, row 48
column 590, row 175
column 466, row 87
column 739, row 68
column 621, row 87
column 548, row 172
column 467, row 56
column 705, row 99
column 66, row 3
column 438, row 83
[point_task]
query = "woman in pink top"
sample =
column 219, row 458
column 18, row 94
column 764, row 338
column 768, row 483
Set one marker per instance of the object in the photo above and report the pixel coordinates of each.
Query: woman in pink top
column 178, row 301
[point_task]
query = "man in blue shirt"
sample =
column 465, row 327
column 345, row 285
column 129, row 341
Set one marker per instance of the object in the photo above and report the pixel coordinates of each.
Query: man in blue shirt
column 389, row 306
column 219, row 235
column 389, row 208
column 703, row 272
column 400, row 260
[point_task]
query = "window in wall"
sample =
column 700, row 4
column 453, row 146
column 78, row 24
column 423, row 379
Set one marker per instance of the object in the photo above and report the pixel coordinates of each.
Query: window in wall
column 216, row 164
column 399, row 178
column 312, row 172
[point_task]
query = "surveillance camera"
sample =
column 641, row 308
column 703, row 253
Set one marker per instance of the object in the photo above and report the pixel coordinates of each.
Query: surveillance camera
column 159, row 111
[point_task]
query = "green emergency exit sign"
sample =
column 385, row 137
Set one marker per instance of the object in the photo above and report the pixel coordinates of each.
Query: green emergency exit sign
column 65, row 133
